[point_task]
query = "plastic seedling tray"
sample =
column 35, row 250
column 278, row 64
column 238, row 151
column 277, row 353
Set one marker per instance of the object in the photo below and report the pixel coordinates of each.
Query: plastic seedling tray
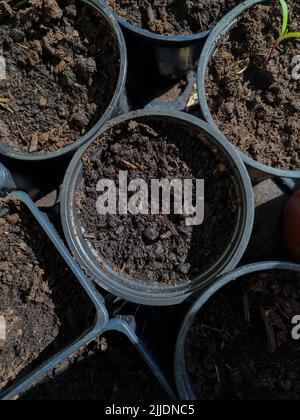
column 101, row 318
column 108, row 368
column 124, row 325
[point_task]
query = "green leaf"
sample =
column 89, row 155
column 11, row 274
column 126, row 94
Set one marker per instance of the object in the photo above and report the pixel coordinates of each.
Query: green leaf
column 285, row 18
column 290, row 35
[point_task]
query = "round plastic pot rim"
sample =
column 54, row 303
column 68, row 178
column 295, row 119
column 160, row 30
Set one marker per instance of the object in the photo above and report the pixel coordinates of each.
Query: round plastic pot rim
column 39, row 157
column 210, row 47
column 138, row 291
column 169, row 40
column 183, row 382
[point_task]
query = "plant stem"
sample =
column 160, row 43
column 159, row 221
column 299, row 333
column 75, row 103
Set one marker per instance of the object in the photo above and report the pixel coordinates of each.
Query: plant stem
column 271, row 54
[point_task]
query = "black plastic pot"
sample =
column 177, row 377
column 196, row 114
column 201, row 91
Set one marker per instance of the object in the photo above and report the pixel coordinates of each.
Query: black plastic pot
column 116, row 103
column 139, row 291
column 123, row 324
column 257, row 170
column 184, row 385
column 167, row 56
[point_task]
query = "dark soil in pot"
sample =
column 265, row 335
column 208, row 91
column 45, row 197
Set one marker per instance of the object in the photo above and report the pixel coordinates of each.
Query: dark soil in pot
column 257, row 106
column 62, row 65
column 240, row 345
column 43, row 306
column 158, row 247
column 175, row 17
column 107, row 369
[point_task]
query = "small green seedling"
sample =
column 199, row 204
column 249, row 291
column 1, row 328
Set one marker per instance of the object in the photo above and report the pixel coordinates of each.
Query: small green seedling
column 284, row 31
